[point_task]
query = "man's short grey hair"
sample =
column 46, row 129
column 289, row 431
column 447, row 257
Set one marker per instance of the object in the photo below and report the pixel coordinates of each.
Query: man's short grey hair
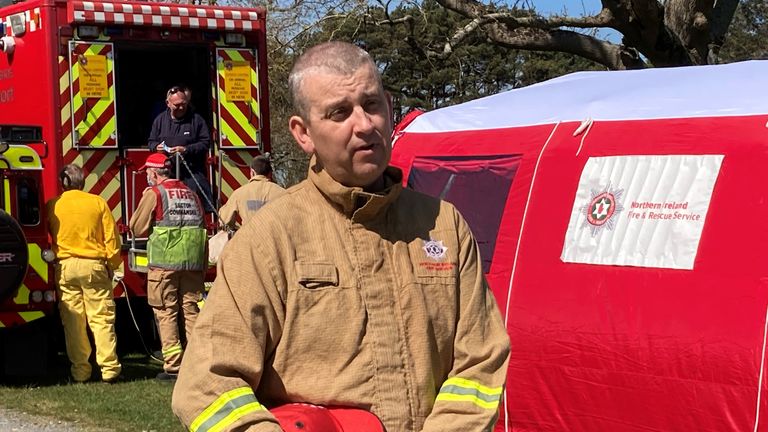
column 163, row 172
column 72, row 177
column 334, row 57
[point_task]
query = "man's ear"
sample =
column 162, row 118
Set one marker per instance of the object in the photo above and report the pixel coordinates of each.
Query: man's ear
column 300, row 132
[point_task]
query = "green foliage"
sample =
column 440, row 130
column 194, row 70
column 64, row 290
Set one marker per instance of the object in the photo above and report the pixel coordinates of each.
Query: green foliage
column 540, row 66
column 407, row 44
column 419, row 76
column 289, row 162
column 747, row 36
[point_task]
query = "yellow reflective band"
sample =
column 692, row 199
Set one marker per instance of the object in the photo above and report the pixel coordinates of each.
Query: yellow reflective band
column 172, row 350
column 227, row 409
column 464, row 390
column 235, row 415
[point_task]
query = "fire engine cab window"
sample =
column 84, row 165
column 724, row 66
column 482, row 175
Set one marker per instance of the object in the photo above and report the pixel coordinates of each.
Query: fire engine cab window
column 28, row 202
column 477, row 185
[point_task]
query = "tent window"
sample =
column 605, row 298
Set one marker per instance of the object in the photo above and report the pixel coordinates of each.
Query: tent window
column 477, row 185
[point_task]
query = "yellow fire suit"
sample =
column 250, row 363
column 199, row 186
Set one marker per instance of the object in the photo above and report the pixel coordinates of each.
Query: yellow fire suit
column 85, row 242
column 341, row 297
column 248, row 199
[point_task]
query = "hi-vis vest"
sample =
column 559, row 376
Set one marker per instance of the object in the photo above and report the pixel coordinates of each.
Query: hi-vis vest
column 178, row 238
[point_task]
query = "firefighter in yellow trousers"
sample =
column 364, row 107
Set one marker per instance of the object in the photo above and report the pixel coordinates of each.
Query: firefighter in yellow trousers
column 88, row 251
column 176, row 252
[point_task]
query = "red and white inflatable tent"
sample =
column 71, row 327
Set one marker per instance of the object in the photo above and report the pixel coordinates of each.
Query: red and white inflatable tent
column 623, row 222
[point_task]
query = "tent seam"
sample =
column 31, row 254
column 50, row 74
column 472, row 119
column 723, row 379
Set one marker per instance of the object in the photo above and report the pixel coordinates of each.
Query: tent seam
column 517, row 251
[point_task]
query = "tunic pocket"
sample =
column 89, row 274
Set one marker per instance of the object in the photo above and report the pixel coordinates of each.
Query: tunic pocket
column 429, row 274
column 154, row 290
column 317, row 275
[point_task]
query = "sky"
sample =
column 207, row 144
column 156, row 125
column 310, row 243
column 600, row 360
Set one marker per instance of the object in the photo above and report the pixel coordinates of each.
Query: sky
column 574, row 7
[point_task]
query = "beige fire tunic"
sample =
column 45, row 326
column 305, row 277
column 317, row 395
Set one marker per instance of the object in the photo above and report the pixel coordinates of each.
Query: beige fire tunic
column 341, row 297
column 248, row 199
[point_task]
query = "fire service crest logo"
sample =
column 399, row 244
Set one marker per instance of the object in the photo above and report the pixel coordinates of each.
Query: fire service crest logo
column 601, row 211
column 434, row 249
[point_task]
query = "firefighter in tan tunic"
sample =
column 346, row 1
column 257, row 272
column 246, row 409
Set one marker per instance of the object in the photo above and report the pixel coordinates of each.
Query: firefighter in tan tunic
column 176, row 252
column 350, row 290
column 249, row 198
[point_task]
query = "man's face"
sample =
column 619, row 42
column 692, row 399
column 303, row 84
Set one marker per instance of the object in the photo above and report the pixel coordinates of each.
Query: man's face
column 348, row 125
column 177, row 103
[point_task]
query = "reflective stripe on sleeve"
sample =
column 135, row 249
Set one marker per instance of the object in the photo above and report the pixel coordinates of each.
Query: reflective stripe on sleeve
column 225, row 410
column 464, row 390
column 176, row 349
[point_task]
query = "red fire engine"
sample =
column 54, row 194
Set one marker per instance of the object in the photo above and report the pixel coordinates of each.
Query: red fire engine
column 81, row 82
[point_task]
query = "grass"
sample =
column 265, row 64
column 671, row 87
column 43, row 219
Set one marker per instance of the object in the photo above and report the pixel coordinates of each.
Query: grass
column 135, row 403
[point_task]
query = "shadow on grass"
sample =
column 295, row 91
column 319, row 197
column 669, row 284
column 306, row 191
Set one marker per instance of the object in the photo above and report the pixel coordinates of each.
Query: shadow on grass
column 136, row 367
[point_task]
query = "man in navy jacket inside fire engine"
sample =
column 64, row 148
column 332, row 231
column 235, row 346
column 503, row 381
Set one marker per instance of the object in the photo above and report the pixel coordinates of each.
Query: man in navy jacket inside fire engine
column 180, row 130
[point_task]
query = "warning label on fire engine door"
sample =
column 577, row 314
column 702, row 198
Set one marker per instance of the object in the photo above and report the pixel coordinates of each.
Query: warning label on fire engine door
column 93, row 76
column 237, row 78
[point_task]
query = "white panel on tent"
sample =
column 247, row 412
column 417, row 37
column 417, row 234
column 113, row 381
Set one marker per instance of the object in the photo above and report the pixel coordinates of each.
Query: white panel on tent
column 682, row 92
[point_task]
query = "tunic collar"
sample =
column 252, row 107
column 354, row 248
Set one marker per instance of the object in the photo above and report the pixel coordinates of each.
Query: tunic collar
column 259, row 178
column 354, row 202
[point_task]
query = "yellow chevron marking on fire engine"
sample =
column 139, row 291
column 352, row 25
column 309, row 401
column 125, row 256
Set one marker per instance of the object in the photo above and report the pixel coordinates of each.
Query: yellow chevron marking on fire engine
column 92, row 113
column 65, row 113
column 94, row 110
column 36, row 261
column 66, row 142
column 104, row 164
column 239, row 117
column 237, row 173
column 113, row 185
column 226, row 190
column 31, row 315
column 63, row 82
column 7, row 195
column 22, row 295
column 227, row 130
column 66, row 109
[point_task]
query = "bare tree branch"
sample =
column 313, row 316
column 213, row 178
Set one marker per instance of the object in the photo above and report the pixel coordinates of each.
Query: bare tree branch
column 543, row 34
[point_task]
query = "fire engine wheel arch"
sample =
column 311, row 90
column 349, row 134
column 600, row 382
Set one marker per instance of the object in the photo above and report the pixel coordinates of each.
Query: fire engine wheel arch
column 14, row 257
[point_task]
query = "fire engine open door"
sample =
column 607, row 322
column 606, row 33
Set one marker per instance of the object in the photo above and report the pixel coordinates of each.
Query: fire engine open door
column 92, row 93
column 238, row 118
column 237, row 97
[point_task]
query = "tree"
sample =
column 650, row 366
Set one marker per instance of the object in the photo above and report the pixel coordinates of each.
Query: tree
column 675, row 33
column 400, row 41
column 439, row 52
column 748, row 34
